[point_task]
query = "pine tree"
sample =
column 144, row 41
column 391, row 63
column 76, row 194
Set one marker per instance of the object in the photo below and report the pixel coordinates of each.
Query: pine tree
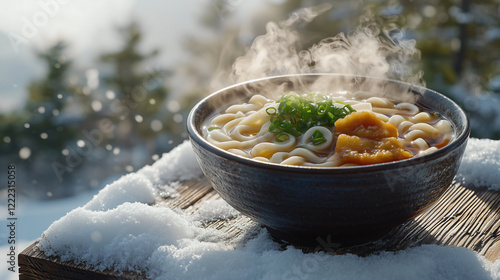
column 139, row 91
column 47, row 98
column 37, row 135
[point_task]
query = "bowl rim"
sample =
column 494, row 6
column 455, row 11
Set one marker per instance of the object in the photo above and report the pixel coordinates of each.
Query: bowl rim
column 454, row 144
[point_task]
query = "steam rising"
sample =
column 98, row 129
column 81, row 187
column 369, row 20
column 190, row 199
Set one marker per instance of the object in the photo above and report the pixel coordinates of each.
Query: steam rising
column 370, row 50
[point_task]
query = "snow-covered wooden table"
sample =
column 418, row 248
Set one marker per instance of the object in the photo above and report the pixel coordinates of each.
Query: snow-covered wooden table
column 465, row 217
column 165, row 221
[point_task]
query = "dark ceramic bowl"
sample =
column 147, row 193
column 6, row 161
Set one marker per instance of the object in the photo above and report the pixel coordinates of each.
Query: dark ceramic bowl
column 348, row 205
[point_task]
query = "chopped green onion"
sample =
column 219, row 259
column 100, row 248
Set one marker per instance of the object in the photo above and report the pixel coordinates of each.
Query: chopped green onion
column 318, row 138
column 282, row 137
column 297, row 113
column 271, row 111
column 213, row 128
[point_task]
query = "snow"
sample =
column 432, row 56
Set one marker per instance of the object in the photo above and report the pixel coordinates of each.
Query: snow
column 123, row 237
column 179, row 164
column 33, row 217
column 261, row 260
column 121, row 229
column 214, row 209
column 481, row 164
column 129, row 188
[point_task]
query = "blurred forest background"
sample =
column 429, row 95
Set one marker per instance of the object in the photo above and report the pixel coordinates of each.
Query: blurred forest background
column 80, row 129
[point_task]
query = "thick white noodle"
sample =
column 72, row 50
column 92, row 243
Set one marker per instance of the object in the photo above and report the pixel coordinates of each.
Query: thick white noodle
column 422, row 117
column 267, row 149
column 427, row 151
column 420, row 144
column 362, row 106
column 294, row 160
column 380, row 102
column 243, row 108
column 407, row 108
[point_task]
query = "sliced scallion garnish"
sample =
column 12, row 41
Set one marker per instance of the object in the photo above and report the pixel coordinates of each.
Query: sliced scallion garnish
column 282, row 137
column 318, row 138
column 297, row 113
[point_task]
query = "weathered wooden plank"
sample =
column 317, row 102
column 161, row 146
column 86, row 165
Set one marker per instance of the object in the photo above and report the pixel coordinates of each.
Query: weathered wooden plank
column 191, row 192
column 465, row 217
column 35, row 265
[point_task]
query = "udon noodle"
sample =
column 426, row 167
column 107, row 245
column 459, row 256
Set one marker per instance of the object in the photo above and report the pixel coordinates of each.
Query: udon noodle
column 376, row 130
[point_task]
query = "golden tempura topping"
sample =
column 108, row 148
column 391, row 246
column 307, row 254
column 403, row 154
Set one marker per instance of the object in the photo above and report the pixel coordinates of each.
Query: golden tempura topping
column 365, row 124
column 364, row 139
column 367, row 151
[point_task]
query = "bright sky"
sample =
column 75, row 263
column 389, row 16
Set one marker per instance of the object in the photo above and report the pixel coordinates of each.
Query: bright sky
column 89, row 27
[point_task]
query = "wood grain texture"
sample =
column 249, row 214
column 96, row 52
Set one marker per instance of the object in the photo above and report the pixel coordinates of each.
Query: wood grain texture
column 465, row 217
column 33, row 264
